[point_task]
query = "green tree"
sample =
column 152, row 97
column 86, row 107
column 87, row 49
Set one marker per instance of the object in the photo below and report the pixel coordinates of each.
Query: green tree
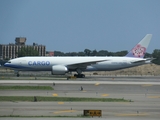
column 93, row 53
column 58, row 53
column 71, row 54
column 156, row 54
column 27, row 51
column 87, row 52
column 81, row 54
column 120, row 53
column 102, row 53
column 148, row 55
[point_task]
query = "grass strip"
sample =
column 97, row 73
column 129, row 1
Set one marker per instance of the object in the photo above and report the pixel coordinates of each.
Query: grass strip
column 62, row 99
column 28, row 77
column 60, row 116
column 26, row 88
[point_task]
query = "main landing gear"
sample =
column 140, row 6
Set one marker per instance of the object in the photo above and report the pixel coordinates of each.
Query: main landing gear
column 79, row 75
column 17, row 74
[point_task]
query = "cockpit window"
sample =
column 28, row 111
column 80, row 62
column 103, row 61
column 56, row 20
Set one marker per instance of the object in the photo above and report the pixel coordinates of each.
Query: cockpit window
column 9, row 62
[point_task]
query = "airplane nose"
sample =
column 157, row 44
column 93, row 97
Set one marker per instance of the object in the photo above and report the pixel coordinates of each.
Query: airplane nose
column 5, row 64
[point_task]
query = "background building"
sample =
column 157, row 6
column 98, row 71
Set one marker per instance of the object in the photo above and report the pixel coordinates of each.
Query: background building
column 9, row 51
column 49, row 53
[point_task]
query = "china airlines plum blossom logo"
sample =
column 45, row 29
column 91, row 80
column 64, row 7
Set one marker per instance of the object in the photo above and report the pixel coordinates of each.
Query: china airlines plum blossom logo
column 138, row 51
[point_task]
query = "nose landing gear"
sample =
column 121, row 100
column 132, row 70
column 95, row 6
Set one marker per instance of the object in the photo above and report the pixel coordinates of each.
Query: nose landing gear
column 17, row 74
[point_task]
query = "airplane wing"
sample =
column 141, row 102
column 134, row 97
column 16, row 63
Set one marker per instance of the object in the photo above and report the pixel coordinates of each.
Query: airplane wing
column 83, row 65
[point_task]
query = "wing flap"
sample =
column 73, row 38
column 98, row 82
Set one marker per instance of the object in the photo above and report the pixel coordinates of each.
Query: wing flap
column 83, row 64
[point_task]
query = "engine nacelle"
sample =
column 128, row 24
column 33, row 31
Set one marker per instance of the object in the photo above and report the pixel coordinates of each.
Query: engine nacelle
column 59, row 70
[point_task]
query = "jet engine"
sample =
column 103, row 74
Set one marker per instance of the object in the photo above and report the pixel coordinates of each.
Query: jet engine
column 59, row 70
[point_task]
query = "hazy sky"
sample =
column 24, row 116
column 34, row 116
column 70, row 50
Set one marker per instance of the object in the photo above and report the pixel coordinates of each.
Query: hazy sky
column 74, row 25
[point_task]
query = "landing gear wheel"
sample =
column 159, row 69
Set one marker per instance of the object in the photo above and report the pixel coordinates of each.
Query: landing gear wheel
column 75, row 75
column 79, row 75
column 17, row 75
column 82, row 76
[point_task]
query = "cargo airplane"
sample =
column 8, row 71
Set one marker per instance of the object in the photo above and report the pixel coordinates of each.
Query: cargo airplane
column 63, row 65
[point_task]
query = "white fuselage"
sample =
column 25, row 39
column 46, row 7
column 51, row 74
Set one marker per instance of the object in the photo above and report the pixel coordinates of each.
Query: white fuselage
column 46, row 63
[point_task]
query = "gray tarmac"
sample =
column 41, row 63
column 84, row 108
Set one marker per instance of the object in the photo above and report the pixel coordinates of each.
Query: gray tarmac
column 144, row 91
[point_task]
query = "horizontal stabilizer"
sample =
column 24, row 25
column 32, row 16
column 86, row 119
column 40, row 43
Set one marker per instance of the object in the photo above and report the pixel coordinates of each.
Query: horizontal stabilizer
column 144, row 60
column 139, row 61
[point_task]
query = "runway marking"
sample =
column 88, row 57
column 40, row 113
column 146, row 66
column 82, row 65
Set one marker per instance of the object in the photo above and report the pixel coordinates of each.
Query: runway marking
column 55, row 95
column 153, row 96
column 96, row 84
column 64, row 111
column 132, row 114
column 60, row 103
column 104, row 95
column 84, row 91
column 146, row 85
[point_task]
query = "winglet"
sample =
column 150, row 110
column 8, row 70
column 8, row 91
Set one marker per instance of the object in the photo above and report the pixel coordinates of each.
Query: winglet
column 140, row 49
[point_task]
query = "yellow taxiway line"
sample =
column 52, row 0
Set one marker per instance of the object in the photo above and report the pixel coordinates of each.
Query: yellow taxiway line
column 105, row 95
column 55, row 95
column 64, row 111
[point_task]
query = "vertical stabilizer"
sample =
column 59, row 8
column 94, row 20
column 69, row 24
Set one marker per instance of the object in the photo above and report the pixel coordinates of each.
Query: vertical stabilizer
column 140, row 49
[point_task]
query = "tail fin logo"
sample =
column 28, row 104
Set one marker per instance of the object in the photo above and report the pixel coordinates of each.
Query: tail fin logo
column 139, row 51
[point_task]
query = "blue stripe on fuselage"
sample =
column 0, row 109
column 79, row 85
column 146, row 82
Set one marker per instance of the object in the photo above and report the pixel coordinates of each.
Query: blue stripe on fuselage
column 16, row 66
